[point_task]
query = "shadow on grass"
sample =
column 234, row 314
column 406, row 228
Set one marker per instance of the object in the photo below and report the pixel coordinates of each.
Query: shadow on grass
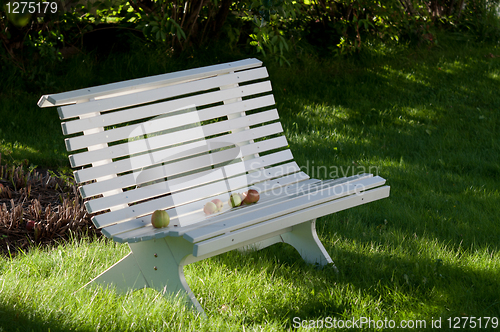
column 432, row 124
column 12, row 321
column 429, row 126
column 387, row 115
column 391, row 284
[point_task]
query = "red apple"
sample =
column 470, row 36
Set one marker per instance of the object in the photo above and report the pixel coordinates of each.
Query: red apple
column 210, row 208
column 218, row 203
column 252, row 197
column 30, row 225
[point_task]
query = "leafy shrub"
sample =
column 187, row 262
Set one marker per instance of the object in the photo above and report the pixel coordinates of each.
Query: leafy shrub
column 271, row 27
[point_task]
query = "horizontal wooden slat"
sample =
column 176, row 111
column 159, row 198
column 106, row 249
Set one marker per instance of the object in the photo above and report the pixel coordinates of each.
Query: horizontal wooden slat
column 164, row 123
column 163, row 187
column 141, row 230
column 138, row 210
column 192, row 135
column 193, row 195
column 169, row 139
column 128, row 180
column 145, row 232
column 143, row 112
column 145, row 83
column 270, row 190
column 292, row 203
column 176, row 152
column 271, row 193
column 324, row 206
column 135, row 211
column 202, row 181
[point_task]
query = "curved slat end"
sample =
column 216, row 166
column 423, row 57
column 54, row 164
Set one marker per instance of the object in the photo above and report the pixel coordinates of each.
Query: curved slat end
column 118, row 239
column 76, row 175
column 252, row 62
column 108, row 235
column 45, row 102
column 96, row 223
column 256, row 60
column 72, row 160
column 88, row 207
column 189, row 238
column 60, row 113
column 127, row 240
column 67, row 142
column 64, row 129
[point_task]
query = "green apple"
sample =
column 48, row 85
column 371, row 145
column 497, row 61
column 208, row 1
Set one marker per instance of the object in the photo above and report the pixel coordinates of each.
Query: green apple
column 234, row 200
column 210, row 208
column 160, row 219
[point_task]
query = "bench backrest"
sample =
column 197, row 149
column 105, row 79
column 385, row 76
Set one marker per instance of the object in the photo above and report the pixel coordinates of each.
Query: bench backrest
column 173, row 142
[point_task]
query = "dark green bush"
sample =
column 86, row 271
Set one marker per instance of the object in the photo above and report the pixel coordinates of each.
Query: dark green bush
column 274, row 28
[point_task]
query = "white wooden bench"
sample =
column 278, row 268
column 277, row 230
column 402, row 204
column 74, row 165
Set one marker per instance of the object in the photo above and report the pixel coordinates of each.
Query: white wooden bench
column 178, row 140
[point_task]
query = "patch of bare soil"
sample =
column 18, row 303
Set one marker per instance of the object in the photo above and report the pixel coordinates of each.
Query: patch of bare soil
column 39, row 208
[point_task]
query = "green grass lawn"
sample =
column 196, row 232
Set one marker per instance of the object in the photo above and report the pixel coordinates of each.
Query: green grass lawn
column 426, row 120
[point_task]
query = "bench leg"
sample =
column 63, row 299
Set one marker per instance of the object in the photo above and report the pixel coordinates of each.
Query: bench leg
column 156, row 264
column 304, row 238
column 124, row 275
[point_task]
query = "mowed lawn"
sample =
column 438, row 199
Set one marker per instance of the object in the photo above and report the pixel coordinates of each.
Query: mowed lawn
column 425, row 120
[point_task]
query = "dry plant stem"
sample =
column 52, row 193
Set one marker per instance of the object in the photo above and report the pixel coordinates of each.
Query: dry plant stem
column 56, row 213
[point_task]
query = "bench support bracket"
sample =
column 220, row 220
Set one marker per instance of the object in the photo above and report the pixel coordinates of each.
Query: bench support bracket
column 304, row 239
column 157, row 264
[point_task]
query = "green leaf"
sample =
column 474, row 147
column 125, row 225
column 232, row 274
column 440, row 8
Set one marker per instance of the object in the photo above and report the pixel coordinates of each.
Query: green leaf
column 180, row 33
column 284, row 43
column 261, row 49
